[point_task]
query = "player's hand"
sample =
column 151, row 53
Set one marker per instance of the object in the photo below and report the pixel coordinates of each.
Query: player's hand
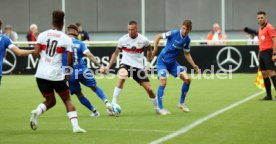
column 103, row 70
column 154, row 52
column 196, row 68
column 274, row 58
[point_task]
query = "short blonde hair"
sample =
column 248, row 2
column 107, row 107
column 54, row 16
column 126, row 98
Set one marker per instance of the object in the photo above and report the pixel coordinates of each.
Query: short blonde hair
column 33, row 26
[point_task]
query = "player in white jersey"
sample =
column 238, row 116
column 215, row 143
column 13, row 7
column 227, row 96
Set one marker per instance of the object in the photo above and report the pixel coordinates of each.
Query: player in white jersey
column 49, row 75
column 132, row 46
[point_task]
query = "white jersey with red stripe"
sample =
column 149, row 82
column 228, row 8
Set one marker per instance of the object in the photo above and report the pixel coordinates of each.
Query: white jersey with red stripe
column 52, row 43
column 133, row 50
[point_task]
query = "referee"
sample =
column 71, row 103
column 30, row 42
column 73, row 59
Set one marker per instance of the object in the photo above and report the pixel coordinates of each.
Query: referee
column 267, row 52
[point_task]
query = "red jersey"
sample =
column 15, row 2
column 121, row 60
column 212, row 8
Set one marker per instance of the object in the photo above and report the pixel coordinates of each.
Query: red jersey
column 265, row 37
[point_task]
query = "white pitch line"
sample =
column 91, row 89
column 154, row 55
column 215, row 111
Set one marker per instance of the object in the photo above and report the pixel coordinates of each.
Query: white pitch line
column 202, row 120
column 127, row 130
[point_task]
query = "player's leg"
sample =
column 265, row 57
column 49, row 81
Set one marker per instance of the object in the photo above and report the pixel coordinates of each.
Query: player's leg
column 84, row 101
column 123, row 75
column 0, row 80
column 75, row 88
column 177, row 70
column 270, row 67
column 140, row 76
column 47, row 91
column 162, row 75
column 272, row 76
column 264, row 63
column 88, row 80
column 62, row 89
column 185, row 88
column 152, row 95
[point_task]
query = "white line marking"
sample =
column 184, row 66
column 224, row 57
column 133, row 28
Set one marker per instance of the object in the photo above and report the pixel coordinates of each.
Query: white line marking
column 133, row 130
column 126, row 130
column 202, row 120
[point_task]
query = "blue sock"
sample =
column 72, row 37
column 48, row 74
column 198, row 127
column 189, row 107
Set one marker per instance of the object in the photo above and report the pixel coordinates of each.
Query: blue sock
column 185, row 88
column 160, row 94
column 100, row 94
column 83, row 100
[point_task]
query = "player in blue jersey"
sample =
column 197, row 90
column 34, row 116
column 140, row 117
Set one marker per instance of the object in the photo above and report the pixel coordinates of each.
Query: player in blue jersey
column 5, row 43
column 177, row 41
column 81, row 73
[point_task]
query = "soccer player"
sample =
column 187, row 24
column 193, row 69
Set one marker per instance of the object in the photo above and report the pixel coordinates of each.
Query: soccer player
column 5, row 42
column 81, row 74
column 132, row 46
column 177, row 41
column 267, row 54
column 49, row 75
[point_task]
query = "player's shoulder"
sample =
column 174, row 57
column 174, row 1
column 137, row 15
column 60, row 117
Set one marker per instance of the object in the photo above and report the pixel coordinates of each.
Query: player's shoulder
column 172, row 32
column 4, row 37
column 143, row 38
column 175, row 31
column 270, row 26
column 76, row 41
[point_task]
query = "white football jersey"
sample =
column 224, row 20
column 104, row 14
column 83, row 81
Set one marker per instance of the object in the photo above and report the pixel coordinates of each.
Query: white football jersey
column 133, row 50
column 53, row 43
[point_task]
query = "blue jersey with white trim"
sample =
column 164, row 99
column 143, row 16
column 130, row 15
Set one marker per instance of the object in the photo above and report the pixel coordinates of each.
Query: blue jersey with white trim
column 79, row 49
column 176, row 43
column 5, row 42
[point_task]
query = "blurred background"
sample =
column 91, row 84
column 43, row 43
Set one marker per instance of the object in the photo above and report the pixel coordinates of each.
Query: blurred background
column 106, row 20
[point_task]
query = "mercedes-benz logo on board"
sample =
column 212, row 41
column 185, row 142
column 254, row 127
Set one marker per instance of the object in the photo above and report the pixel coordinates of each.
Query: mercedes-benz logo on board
column 9, row 62
column 229, row 59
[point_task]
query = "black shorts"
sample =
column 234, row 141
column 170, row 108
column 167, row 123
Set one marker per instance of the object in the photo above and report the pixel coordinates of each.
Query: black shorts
column 265, row 60
column 139, row 75
column 47, row 87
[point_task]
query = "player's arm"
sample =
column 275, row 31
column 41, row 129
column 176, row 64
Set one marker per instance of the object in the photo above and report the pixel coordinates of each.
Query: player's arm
column 155, row 46
column 92, row 58
column 274, row 48
column 20, row 52
column 149, row 54
column 37, row 51
column 113, row 58
column 190, row 60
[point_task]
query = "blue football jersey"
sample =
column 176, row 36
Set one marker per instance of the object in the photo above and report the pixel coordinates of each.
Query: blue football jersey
column 176, row 44
column 5, row 42
column 79, row 49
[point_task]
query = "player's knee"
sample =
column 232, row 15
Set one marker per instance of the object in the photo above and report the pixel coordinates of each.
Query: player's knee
column 264, row 74
column 94, row 88
column 271, row 73
column 79, row 95
column 122, row 73
column 163, row 82
column 188, row 81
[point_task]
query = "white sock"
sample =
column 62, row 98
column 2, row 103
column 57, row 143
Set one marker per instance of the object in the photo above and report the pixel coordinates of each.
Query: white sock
column 116, row 94
column 73, row 118
column 41, row 108
column 154, row 102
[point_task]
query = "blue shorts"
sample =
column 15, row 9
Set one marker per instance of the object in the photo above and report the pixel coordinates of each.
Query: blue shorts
column 86, row 79
column 163, row 69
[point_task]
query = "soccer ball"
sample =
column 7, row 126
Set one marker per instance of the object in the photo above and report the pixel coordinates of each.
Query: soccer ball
column 116, row 109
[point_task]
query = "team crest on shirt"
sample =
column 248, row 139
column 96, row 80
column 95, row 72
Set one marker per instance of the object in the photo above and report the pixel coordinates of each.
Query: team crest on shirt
column 133, row 48
column 262, row 37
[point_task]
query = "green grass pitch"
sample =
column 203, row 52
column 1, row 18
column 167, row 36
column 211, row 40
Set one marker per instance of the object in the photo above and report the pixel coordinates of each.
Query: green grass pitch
column 253, row 122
